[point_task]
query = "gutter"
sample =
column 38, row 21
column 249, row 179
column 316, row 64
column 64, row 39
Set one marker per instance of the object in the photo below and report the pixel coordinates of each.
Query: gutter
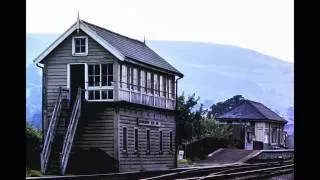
column 42, row 119
column 176, row 111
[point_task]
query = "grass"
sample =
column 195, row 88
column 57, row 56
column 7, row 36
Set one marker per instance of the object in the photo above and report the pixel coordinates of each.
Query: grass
column 185, row 161
column 33, row 173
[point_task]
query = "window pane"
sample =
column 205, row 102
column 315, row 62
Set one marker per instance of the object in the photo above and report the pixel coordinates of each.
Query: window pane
column 96, row 94
column 77, row 41
column 97, row 69
column 82, row 49
column 83, row 41
column 148, row 82
column 105, row 94
column 148, row 140
column 170, row 141
column 90, row 67
column 160, row 140
column 91, row 80
column 104, row 80
column 110, row 94
column 136, row 139
column 110, row 79
column 142, row 81
column 77, row 50
column 90, row 95
column 96, row 81
column 155, row 80
column 110, row 69
column 124, row 76
column 124, row 140
column 135, row 79
column 104, row 69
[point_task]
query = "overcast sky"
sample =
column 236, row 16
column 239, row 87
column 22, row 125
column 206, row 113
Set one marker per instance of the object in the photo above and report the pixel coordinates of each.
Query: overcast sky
column 266, row 26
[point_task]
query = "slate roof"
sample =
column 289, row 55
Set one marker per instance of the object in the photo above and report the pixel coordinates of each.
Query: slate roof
column 132, row 48
column 250, row 110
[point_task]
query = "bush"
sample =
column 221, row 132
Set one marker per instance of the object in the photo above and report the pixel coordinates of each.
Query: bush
column 33, row 173
column 33, row 150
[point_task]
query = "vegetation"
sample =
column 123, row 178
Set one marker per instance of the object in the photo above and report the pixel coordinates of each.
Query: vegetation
column 194, row 125
column 222, row 107
column 33, row 139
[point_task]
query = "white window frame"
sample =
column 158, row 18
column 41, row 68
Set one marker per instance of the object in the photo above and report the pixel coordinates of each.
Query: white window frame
column 74, row 46
column 135, row 85
column 94, row 88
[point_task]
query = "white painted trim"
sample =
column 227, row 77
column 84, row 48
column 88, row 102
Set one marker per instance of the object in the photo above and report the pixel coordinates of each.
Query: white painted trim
column 69, row 73
column 73, row 46
column 102, row 42
column 88, row 31
column 55, row 44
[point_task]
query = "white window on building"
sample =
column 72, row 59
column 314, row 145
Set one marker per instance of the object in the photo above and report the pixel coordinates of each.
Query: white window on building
column 148, row 82
column 124, row 77
column 170, row 88
column 80, row 46
column 161, row 85
column 135, row 79
column 100, row 82
column 143, row 81
column 156, row 84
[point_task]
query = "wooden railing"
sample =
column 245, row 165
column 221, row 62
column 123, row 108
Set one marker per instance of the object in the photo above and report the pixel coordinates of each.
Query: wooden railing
column 68, row 139
column 146, row 99
column 45, row 154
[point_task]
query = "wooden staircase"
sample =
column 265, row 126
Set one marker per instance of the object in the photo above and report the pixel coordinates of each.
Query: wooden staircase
column 56, row 149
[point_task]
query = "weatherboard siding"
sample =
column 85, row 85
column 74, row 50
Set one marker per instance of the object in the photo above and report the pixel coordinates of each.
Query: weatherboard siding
column 141, row 160
column 56, row 68
column 95, row 130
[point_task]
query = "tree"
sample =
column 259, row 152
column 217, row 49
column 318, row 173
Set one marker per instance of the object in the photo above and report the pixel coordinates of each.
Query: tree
column 222, row 107
column 192, row 125
column 185, row 117
column 213, row 129
column 33, row 142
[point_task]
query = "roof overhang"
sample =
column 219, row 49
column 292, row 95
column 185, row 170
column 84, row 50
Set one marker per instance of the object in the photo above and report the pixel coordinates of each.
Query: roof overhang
column 89, row 32
column 251, row 120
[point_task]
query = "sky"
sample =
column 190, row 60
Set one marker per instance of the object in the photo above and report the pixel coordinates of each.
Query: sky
column 266, row 26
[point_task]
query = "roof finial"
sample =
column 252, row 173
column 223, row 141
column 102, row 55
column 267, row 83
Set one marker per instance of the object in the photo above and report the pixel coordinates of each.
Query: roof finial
column 144, row 39
column 78, row 22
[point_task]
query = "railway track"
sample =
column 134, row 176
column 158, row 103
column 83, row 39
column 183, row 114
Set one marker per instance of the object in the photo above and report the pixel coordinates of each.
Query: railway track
column 232, row 171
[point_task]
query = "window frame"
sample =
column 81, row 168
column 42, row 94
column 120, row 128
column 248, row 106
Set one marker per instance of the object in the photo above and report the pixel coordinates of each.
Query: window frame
column 160, row 141
column 99, row 88
column 136, row 140
column 124, row 140
column 74, row 53
column 148, row 141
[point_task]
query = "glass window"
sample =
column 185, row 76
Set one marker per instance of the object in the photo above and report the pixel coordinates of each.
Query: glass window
column 135, row 79
column 136, row 140
column 156, row 84
column 100, row 77
column 79, row 44
column 171, row 141
column 143, row 81
column 160, row 141
column 148, row 140
column 124, row 76
column 124, row 139
column 148, row 82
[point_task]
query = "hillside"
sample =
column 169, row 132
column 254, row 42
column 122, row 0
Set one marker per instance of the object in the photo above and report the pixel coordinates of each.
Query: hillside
column 214, row 72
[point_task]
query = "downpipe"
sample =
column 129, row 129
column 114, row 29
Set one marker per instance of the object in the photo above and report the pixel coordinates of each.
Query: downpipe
column 176, row 113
